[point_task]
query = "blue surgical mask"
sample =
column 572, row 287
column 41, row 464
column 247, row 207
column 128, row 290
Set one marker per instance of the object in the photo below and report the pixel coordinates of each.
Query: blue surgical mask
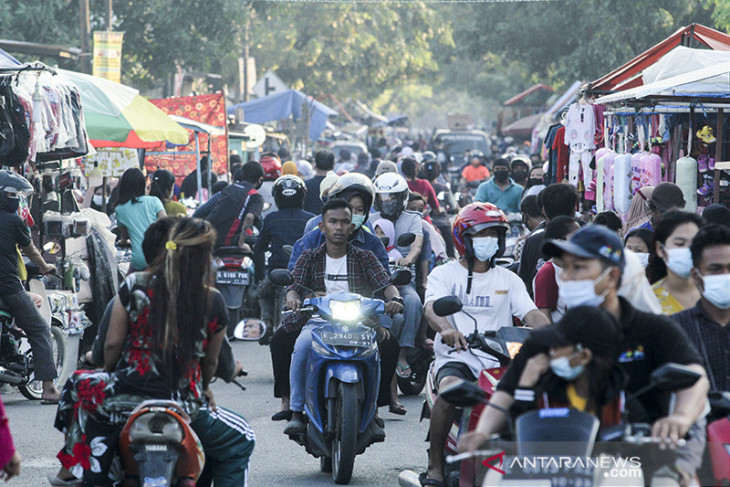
column 715, row 290
column 358, row 220
column 582, row 292
column 562, row 368
column 485, row 247
column 679, row 261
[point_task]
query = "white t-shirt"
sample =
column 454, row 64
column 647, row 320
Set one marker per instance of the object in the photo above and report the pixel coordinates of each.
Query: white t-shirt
column 335, row 275
column 496, row 296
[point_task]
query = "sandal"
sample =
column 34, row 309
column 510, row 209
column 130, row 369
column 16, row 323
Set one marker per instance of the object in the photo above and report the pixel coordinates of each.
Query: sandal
column 397, row 408
column 403, row 370
column 424, row 480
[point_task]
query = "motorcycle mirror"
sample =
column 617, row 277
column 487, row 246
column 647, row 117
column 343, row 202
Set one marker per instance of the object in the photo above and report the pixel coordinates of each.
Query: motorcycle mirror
column 401, row 277
column 281, row 277
column 406, row 239
column 448, row 305
column 674, row 377
column 288, row 249
column 385, row 241
column 250, row 330
column 52, row 248
column 462, row 393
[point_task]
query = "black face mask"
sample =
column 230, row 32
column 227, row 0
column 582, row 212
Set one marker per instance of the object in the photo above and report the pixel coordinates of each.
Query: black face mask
column 535, row 181
column 12, row 204
column 501, row 176
column 519, row 175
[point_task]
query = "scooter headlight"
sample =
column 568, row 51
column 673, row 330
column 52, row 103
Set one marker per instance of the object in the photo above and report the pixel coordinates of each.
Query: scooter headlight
column 345, row 310
column 156, row 428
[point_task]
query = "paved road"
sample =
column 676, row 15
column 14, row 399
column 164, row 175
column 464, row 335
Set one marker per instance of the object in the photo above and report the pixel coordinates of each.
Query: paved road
column 277, row 461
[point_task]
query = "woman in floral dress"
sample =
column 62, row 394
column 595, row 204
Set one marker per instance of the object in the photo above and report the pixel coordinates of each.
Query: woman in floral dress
column 164, row 336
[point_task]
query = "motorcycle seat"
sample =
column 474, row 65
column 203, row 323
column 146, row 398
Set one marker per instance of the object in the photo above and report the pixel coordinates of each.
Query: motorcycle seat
column 229, row 252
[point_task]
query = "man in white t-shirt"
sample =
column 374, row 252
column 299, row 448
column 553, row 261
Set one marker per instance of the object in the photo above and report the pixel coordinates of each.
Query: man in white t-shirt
column 491, row 294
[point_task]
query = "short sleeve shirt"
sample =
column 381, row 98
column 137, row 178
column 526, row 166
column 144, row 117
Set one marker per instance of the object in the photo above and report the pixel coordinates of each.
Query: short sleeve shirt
column 496, row 296
column 407, row 222
column 335, row 275
column 471, row 173
column 136, row 218
column 13, row 233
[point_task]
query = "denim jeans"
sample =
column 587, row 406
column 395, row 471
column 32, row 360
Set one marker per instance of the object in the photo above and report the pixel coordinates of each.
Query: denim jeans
column 298, row 369
column 405, row 327
column 29, row 319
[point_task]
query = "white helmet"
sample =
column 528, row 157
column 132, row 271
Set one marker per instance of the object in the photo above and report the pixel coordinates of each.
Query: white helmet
column 391, row 195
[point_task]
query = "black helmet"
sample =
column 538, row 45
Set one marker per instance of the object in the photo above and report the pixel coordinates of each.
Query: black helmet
column 431, row 170
column 289, row 192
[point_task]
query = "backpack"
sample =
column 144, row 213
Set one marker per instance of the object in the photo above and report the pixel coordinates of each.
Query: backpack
column 15, row 112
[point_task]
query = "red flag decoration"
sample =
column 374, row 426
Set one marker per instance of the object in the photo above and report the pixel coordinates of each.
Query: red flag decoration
column 210, row 109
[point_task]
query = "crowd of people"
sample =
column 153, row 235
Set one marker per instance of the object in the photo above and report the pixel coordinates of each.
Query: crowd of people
column 612, row 297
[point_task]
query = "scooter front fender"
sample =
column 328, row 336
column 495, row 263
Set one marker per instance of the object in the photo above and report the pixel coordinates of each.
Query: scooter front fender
column 343, row 372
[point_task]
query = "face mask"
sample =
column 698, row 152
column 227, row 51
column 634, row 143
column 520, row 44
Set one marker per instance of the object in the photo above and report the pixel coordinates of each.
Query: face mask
column 358, row 220
column 390, row 209
column 535, row 181
column 716, row 290
column 519, row 176
column 643, row 258
column 485, row 247
column 562, row 368
column 97, row 200
column 679, row 261
column 12, row 204
column 582, row 292
column 501, row 176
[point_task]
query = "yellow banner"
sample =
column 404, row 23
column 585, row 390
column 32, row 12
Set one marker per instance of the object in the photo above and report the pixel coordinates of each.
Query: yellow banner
column 108, row 55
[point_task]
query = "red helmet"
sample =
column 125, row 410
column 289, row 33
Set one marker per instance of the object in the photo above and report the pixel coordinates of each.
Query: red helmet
column 271, row 165
column 476, row 217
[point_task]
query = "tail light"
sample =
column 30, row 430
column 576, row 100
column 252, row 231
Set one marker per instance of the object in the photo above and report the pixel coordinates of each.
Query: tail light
column 157, row 428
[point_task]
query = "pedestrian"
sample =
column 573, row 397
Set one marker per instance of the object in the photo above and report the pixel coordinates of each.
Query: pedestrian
column 9, row 456
column 135, row 212
column 162, row 186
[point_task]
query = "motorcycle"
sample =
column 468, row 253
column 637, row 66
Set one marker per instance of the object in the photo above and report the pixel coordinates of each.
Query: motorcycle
column 718, row 437
column 502, row 345
column 16, row 358
column 563, row 432
column 343, row 378
column 232, row 276
column 157, row 444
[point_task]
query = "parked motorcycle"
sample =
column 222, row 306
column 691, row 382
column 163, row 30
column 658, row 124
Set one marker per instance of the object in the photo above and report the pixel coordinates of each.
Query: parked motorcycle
column 343, row 377
column 556, row 432
column 16, row 358
column 502, row 345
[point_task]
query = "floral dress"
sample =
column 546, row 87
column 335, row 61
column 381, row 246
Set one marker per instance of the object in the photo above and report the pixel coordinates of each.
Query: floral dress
column 95, row 405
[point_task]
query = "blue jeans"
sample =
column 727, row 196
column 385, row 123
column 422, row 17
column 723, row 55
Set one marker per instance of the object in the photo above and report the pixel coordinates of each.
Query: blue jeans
column 405, row 327
column 298, row 369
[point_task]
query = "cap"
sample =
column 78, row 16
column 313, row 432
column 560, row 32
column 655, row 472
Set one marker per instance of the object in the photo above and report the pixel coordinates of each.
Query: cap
column 590, row 242
column 667, row 196
column 592, row 327
column 289, row 167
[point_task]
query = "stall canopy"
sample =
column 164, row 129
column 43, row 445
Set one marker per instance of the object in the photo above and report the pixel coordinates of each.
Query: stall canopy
column 284, row 105
column 117, row 116
column 522, row 127
column 629, row 75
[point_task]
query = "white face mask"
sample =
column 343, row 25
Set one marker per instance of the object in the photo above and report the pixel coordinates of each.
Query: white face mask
column 716, row 290
column 679, row 261
column 643, row 258
column 582, row 292
column 485, row 247
column 97, row 200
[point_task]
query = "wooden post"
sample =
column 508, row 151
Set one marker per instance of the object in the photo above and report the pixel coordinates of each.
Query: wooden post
column 718, row 154
column 85, row 32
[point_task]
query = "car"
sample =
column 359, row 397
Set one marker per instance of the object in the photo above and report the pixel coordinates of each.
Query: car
column 354, row 146
column 450, row 145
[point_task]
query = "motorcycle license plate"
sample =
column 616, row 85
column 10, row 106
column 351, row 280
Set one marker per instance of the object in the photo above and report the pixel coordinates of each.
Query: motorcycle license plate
column 347, row 339
column 237, row 278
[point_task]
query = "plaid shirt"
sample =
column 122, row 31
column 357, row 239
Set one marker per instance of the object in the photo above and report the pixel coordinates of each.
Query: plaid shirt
column 703, row 330
column 365, row 274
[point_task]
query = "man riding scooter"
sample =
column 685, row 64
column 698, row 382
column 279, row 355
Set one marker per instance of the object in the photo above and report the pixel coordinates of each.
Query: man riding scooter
column 491, row 294
column 335, row 266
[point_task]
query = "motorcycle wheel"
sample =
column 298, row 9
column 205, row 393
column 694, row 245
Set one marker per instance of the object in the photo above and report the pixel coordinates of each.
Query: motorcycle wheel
column 347, row 414
column 325, row 464
column 34, row 388
column 413, row 385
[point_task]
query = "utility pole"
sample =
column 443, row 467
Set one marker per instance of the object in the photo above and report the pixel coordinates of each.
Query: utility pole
column 109, row 14
column 84, row 34
column 246, row 39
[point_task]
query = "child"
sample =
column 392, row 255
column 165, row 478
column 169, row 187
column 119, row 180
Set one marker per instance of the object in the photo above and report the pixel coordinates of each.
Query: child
column 385, row 228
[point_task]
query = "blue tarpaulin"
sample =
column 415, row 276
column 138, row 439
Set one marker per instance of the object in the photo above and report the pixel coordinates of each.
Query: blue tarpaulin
column 283, row 105
column 8, row 61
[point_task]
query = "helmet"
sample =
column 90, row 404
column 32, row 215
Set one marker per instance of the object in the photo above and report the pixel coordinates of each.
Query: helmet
column 474, row 218
column 428, row 156
column 15, row 183
column 272, row 167
column 351, row 184
column 391, row 195
column 289, row 191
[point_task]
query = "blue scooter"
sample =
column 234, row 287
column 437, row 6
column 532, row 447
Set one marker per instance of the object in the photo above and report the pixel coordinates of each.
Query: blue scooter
column 343, row 378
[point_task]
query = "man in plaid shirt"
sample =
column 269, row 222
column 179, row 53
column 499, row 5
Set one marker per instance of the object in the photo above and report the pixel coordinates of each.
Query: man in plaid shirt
column 336, row 266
